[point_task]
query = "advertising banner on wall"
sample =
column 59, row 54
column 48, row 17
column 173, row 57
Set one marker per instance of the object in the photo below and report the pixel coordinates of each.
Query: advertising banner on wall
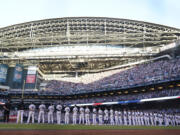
column 31, row 70
column 3, row 72
column 18, row 73
column 30, row 78
column 31, row 74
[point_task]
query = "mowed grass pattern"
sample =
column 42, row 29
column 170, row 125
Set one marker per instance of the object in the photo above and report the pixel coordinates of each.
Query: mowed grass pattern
column 82, row 127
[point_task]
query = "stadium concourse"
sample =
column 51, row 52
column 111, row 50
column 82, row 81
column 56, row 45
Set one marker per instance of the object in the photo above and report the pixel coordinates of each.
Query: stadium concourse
column 91, row 71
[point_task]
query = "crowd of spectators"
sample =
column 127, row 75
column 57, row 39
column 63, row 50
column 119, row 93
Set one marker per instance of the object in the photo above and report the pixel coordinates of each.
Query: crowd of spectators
column 137, row 96
column 141, row 74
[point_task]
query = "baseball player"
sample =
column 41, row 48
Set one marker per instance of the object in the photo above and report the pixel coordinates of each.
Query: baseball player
column 130, row 117
column 146, row 119
column 151, row 118
column 87, row 111
column 50, row 114
column 120, row 117
column 58, row 113
column 116, row 117
column 106, row 116
column 100, row 113
column 42, row 108
column 125, row 117
column 138, row 118
column 75, row 110
column 94, row 116
column 111, row 116
column 67, row 110
column 32, row 108
column 133, row 118
column 20, row 112
column 81, row 116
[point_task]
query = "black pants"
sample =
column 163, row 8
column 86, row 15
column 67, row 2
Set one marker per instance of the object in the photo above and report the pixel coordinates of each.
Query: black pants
column 6, row 116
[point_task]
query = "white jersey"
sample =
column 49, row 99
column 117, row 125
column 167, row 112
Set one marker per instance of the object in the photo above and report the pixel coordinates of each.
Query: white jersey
column 111, row 112
column 100, row 112
column 51, row 108
column 67, row 109
column 87, row 111
column 106, row 112
column 32, row 107
column 75, row 110
column 94, row 111
column 58, row 107
column 42, row 107
column 116, row 113
column 81, row 110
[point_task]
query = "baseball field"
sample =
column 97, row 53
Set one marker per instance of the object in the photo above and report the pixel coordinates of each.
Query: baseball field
column 53, row 129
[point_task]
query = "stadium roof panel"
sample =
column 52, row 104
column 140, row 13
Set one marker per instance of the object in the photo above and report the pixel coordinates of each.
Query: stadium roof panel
column 84, row 31
column 89, row 30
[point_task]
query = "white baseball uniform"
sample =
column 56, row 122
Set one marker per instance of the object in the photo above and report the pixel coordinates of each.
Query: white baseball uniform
column 94, row 116
column 81, row 116
column 87, row 111
column 120, row 118
column 50, row 114
column 75, row 110
column 100, row 113
column 106, row 116
column 42, row 107
column 32, row 108
column 116, row 117
column 111, row 117
column 67, row 110
column 58, row 113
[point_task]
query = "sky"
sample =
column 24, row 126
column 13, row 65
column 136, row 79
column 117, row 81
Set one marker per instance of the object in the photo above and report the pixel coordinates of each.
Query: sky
column 166, row 12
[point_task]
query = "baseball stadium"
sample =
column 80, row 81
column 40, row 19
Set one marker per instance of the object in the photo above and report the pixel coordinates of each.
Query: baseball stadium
column 90, row 73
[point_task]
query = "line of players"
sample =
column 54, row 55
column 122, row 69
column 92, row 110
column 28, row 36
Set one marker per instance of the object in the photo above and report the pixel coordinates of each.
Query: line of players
column 100, row 117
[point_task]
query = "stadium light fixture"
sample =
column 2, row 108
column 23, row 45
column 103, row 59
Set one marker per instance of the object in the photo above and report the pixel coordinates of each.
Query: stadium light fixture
column 160, row 88
column 171, row 86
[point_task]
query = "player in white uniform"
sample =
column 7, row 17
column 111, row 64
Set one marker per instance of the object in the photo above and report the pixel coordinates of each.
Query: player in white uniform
column 50, row 114
column 151, row 118
column 116, row 117
column 42, row 108
column 111, row 117
column 87, row 111
column 146, row 118
column 106, row 116
column 67, row 110
column 32, row 108
column 81, row 116
column 75, row 110
column 120, row 117
column 130, row 117
column 94, row 116
column 100, row 113
column 133, row 118
column 142, row 118
column 155, row 118
column 58, row 113
column 125, row 117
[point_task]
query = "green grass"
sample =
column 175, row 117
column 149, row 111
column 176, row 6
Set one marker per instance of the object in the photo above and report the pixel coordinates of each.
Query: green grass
column 83, row 127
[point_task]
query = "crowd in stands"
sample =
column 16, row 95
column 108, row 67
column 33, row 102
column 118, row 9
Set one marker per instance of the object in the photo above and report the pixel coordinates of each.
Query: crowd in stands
column 138, row 75
column 138, row 96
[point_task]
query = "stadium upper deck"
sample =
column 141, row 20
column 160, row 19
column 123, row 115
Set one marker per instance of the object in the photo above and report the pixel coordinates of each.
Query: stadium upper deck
column 18, row 42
